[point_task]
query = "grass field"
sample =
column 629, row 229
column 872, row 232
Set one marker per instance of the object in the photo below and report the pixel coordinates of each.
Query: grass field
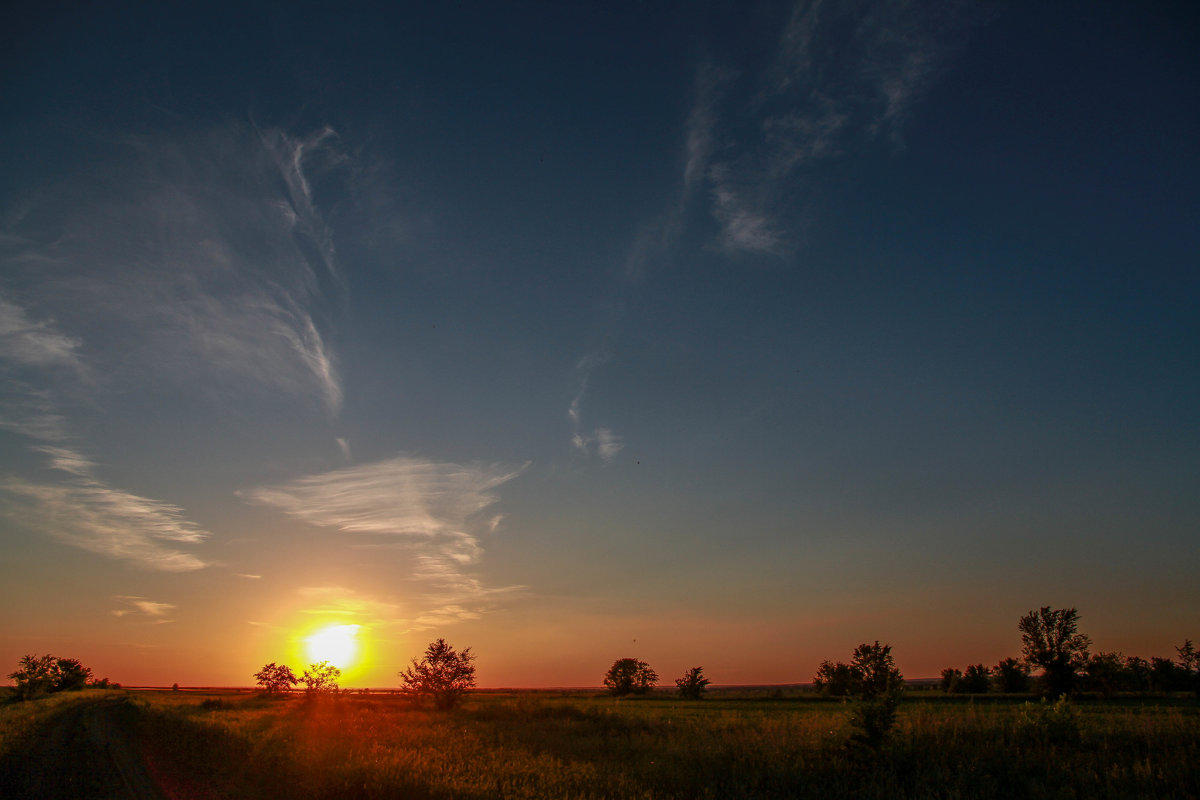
column 542, row 745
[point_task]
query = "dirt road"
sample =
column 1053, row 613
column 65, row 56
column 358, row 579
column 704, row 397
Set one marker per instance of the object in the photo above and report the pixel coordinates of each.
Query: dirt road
column 86, row 751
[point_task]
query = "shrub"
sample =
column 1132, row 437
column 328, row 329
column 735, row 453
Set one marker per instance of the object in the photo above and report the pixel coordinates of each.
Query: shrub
column 692, row 684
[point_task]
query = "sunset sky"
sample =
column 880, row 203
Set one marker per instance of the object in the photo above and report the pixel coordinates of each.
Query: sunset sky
column 722, row 334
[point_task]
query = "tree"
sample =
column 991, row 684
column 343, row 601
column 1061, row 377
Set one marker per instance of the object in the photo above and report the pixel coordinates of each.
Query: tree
column 692, row 685
column 629, row 676
column 320, row 678
column 835, row 680
column 442, row 675
column 1106, row 673
column 1050, row 640
column 879, row 685
column 1189, row 662
column 950, row 678
column 877, row 670
column 1167, row 676
column 276, row 678
column 1011, row 676
column 1137, row 670
column 46, row 674
column 975, row 680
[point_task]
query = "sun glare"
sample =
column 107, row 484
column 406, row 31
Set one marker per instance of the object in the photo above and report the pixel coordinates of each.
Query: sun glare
column 337, row 644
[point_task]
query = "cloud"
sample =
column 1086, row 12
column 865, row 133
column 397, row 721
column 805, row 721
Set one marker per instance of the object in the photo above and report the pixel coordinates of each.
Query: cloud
column 432, row 510
column 601, row 442
column 409, row 498
column 34, row 343
column 85, row 512
column 200, row 262
column 842, row 75
column 140, row 606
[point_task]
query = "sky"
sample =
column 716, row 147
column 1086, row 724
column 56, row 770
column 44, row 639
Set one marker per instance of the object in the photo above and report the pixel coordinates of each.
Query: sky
column 722, row 334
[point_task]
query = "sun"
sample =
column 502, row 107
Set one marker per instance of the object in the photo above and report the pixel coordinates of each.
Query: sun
column 337, row 644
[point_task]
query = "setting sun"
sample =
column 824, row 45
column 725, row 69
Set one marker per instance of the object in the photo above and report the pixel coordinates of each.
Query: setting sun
column 337, row 644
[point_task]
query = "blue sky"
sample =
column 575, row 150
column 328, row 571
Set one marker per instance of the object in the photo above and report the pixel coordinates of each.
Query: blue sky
column 732, row 334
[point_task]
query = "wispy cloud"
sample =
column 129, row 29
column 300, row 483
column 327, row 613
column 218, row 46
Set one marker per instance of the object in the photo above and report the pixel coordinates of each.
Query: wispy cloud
column 601, row 442
column 151, row 610
column 432, row 510
column 199, row 262
column 34, row 343
column 85, row 512
column 843, row 74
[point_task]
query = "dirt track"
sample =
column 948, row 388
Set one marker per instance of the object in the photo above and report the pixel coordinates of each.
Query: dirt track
column 86, row 751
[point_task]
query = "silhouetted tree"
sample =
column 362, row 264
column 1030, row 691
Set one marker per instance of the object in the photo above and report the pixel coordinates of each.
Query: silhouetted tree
column 1167, row 676
column 275, row 678
column 320, row 678
column 835, row 680
column 975, row 680
column 879, row 686
column 877, row 669
column 629, row 676
column 1137, row 671
column 950, row 678
column 1050, row 640
column 693, row 684
column 1189, row 662
column 1106, row 673
column 442, row 675
column 46, row 674
column 1011, row 676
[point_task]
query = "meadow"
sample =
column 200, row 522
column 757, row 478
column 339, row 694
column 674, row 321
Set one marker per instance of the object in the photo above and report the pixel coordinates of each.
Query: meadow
column 581, row 745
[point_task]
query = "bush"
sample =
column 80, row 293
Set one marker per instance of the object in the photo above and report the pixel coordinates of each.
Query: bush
column 1049, row 723
column 692, row 684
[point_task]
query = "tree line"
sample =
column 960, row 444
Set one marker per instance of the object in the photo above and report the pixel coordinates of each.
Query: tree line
column 1051, row 642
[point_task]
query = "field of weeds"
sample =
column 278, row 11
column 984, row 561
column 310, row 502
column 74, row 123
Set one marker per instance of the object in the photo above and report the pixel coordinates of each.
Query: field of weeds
column 579, row 746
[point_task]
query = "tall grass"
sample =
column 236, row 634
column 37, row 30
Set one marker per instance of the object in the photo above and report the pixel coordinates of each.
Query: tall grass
column 526, row 746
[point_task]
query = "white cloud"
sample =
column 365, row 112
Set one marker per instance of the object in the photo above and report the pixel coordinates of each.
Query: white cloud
column 198, row 262
column 34, row 343
column 87, row 513
column 430, row 509
column 134, row 605
column 404, row 497
column 601, row 442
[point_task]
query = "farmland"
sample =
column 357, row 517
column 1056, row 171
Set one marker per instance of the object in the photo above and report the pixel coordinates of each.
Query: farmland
column 582, row 745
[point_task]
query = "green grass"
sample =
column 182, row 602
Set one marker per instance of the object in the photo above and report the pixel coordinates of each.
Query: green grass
column 547, row 746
